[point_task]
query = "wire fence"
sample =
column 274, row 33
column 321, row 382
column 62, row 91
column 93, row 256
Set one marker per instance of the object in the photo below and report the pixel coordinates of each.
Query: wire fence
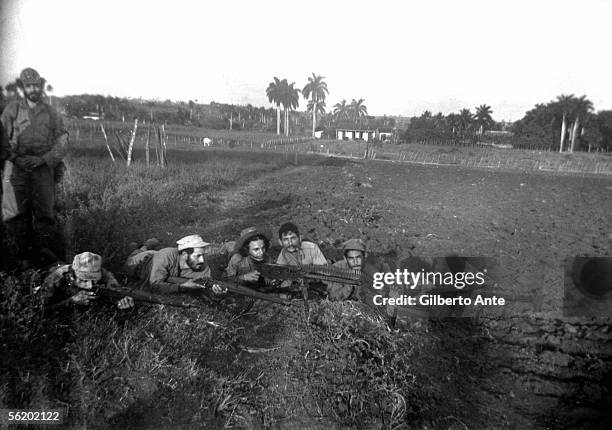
column 440, row 152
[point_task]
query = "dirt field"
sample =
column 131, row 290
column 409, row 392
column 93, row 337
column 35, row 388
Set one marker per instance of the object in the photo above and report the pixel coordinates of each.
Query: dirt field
column 335, row 365
column 533, row 367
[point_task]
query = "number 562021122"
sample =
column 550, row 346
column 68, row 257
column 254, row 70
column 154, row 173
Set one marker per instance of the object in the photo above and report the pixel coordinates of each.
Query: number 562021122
column 31, row 416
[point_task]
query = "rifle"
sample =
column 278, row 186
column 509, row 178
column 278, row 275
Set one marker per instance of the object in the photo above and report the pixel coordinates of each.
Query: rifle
column 233, row 288
column 140, row 296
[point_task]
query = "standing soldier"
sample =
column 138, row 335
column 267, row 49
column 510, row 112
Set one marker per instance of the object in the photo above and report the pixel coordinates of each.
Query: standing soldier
column 33, row 145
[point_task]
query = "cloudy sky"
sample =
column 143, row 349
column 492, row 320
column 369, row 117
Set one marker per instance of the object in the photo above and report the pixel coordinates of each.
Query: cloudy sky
column 402, row 57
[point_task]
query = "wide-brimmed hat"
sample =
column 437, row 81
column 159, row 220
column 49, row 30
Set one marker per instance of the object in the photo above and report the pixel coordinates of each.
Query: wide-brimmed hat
column 87, row 266
column 246, row 235
column 192, row 241
column 355, row 245
column 30, row 76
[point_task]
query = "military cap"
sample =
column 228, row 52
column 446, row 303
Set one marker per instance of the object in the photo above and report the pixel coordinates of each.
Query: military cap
column 87, row 266
column 30, row 76
column 192, row 241
column 354, row 244
column 245, row 235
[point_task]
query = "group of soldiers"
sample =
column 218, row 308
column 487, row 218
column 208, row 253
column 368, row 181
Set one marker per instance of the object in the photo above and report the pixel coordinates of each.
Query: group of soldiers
column 181, row 269
column 34, row 142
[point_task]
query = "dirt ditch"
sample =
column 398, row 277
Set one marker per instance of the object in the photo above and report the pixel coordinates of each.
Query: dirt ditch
column 549, row 370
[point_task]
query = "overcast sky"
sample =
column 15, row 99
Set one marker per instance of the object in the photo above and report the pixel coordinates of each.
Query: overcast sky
column 401, row 57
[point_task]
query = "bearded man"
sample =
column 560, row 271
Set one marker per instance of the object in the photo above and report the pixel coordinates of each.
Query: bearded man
column 34, row 142
column 158, row 269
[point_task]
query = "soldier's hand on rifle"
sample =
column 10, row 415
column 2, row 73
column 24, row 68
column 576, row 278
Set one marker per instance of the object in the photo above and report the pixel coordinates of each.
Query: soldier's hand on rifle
column 32, row 162
column 251, row 276
column 287, row 283
column 22, row 164
column 83, row 297
column 125, row 303
column 191, row 285
column 218, row 290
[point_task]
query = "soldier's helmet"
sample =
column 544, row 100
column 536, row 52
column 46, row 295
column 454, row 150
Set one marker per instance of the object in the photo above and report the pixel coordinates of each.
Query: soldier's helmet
column 87, row 266
column 30, row 76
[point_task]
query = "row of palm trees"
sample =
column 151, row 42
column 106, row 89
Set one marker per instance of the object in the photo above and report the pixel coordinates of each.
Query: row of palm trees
column 355, row 112
column 478, row 122
column 281, row 92
column 564, row 119
column 572, row 110
column 462, row 123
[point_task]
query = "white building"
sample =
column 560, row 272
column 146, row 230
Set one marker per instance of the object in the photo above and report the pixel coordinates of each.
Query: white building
column 363, row 134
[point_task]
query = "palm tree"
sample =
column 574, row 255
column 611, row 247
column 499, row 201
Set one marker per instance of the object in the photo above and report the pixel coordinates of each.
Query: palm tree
column 341, row 111
column 317, row 88
column 581, row 110
column 318, row 106
column 290, row 100
column 563, row 107
column 454, row 122
column 275, row 96
column 439, row 121
column 483, row 118
column 191, row 106
column 358, row 111
column 465, row 120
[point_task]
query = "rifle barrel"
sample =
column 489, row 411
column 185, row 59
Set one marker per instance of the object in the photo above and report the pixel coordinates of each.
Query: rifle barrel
column 232, row 287
column 141, row 296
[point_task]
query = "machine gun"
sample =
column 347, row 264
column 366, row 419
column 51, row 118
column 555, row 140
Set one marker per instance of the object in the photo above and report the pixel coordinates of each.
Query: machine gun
column 312, row 273
column 233, row 288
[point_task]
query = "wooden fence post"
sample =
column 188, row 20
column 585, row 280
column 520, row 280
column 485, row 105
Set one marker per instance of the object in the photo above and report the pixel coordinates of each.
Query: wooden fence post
column 107, row 145
column 147, row 144
column 132, row 139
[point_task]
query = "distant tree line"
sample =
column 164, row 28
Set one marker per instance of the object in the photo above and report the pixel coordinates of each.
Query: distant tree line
column 566, row 124
column 461, row 126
